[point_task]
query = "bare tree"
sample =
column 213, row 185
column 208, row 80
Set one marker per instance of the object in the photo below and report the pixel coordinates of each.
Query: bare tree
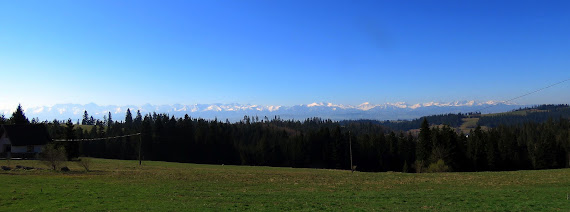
column 53, row 156
column 85, row 163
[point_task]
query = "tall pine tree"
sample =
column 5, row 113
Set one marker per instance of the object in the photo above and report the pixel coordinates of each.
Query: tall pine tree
column 109, row 122
column 423, row 149
column 18, row 116
column 137, row 121
column 71, row 145
column 128, row 119
column 85, row 120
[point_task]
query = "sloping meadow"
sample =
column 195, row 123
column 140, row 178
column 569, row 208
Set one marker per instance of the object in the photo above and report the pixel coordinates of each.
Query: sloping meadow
column 120, row 185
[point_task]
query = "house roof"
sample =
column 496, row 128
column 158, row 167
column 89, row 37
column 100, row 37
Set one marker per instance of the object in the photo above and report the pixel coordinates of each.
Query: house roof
column 26, row 134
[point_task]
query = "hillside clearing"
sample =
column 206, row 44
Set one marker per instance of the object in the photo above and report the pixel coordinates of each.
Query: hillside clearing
column 468, row 124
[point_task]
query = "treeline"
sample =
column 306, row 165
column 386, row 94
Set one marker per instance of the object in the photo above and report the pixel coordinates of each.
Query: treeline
column 320, row 143
column 548, row 107
column 537, row 114
column 453, row 120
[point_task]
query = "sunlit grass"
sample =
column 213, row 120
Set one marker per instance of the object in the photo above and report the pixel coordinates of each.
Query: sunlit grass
column 118, row 185
column 468, row 124
column 510, row 113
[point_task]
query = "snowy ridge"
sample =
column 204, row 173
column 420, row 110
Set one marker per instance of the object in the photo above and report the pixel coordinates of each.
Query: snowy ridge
column 234, row 112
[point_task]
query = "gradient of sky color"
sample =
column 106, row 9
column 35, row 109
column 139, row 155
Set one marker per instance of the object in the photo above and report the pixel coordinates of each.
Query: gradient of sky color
column 282, row 52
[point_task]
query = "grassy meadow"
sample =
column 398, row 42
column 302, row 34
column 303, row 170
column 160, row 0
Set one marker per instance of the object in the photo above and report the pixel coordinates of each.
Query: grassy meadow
column 119, row 185
column 468, row 124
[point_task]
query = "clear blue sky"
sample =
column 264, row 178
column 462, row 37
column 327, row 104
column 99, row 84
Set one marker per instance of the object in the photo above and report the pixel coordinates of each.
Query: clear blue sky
column 282, row 52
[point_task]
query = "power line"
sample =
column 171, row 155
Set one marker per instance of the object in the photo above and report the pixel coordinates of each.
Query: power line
column 529, row 93
column 97, row 139
column 106, row 138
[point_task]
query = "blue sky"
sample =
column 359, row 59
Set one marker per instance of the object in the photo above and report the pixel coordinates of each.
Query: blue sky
column 282, row 52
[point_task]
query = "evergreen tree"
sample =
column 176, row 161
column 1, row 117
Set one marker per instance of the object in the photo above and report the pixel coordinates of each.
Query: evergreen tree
column 85, row 120
column 423, row 149
column 71, row 145
column 100, row 129
column 93, row 132
column 476, row 149
column 146, row 137
column 128, row 119
column 138, row 121
column 18, row 116
column 109, row 122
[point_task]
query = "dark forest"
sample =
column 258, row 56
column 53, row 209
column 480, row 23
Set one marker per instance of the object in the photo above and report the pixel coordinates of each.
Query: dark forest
column 510, row 144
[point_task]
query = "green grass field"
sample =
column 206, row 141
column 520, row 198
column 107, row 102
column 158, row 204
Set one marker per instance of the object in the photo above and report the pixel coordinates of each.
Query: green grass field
column 515, row 113
column 84, row 127
column 468, row 124
column 117, row 185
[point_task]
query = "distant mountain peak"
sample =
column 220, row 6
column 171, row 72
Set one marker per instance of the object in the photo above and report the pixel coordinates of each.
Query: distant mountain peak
column 234, row 111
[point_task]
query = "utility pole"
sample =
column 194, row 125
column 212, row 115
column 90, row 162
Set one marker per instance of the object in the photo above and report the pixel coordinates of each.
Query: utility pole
column 350, row 147
column 140, row 147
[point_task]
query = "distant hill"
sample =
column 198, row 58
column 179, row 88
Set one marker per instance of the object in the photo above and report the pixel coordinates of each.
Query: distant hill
column 538, row 114
column 453, row 120
column 467, row 121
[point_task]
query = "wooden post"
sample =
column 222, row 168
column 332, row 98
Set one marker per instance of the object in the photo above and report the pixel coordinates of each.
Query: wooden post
column 140, row 147
column 350, row 147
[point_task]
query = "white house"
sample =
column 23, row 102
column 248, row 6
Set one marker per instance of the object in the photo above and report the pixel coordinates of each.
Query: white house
column 22, row 141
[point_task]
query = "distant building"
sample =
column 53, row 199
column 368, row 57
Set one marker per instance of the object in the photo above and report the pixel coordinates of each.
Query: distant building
column 22, row 141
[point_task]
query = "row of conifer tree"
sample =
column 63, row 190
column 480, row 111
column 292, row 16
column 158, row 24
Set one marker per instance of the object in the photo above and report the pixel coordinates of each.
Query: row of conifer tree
column 317, row 143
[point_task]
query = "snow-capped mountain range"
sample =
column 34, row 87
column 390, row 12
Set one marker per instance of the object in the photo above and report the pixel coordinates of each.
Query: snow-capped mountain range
column 235, row 112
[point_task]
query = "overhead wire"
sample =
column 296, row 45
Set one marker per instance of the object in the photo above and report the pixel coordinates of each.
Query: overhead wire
column 526, row 94
column 96, row 139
